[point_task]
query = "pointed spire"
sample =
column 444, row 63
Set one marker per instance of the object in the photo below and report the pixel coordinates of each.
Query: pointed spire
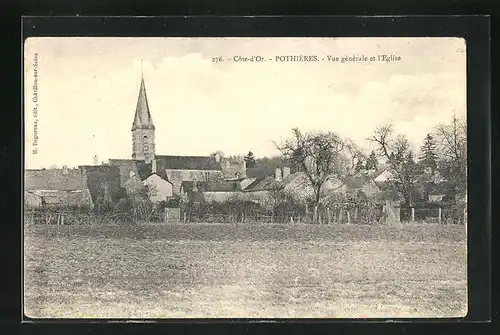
column 142, row 119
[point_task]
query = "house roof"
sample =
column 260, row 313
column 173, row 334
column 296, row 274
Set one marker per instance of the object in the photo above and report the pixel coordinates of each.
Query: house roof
column 54, row 179
column 142, row 118
column 187, row 163
column 265, row 184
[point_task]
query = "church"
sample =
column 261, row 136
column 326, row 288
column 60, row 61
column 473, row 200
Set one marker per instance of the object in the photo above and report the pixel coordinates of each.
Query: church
column 145, row 161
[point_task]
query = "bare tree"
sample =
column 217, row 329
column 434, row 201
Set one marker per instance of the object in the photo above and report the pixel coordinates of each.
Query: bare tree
column 399, row 155
column 320, row 156
column 452, row 146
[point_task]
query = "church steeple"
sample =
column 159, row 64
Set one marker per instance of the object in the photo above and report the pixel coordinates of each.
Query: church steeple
column 143, row 129
column 142, row 119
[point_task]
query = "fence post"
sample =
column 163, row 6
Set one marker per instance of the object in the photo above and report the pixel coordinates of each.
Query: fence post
column 62, row 219
column 356, row 215
column 348, row 217
column 315, row 215
column 413, row 214
column 165, row 215
column 328, row 215
column 439, row 216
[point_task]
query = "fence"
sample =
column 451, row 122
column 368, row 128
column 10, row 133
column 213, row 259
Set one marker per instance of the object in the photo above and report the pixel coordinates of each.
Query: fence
column 68, row 218
column 436, row 214
column 319, row 215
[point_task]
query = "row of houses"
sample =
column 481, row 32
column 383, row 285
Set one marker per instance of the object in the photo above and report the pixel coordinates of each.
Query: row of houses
column 192, row 179
column 201, row 179
column 85, row 185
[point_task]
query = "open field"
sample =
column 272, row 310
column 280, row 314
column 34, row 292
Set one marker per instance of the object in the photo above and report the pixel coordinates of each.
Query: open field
column 158, row 271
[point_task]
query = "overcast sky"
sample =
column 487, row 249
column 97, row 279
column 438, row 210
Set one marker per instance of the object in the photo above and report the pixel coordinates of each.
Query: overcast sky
column 88, row 88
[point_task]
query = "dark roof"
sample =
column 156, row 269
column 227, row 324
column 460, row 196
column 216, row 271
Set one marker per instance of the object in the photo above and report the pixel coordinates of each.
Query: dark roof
column 265, row 184
column 142, row 119
column 53, row 179
column 187, row 163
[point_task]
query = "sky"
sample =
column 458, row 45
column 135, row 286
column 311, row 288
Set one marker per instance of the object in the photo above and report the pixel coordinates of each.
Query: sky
column 87, row 91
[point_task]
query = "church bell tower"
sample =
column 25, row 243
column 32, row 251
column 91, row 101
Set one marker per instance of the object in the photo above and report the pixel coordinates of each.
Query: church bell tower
column 143, row 129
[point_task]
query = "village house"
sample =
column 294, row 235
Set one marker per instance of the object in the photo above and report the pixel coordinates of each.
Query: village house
column 158, row 188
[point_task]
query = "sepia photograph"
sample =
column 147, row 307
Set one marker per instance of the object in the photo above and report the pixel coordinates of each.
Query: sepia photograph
column 268, row 178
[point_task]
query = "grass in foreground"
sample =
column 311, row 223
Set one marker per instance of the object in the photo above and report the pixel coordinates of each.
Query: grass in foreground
column 165, row 271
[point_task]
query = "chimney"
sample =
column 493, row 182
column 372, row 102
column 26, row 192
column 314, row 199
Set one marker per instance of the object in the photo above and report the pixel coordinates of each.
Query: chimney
column 286, row 171
column 278, row 174
column 217, row 157
column 153, row 166
column 96, row 160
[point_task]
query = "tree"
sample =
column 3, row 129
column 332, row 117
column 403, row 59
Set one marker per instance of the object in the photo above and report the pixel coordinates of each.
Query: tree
column 428, row 157
column 452, row 147
column 250, row 160
column 371, row 162
column 399, row 155
column 320, row 156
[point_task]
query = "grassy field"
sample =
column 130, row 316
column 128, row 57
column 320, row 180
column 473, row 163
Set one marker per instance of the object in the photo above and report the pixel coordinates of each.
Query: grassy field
column 274, row 271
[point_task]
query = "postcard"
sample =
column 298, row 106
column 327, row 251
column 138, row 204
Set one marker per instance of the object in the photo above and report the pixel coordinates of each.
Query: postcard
column 245, row 178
